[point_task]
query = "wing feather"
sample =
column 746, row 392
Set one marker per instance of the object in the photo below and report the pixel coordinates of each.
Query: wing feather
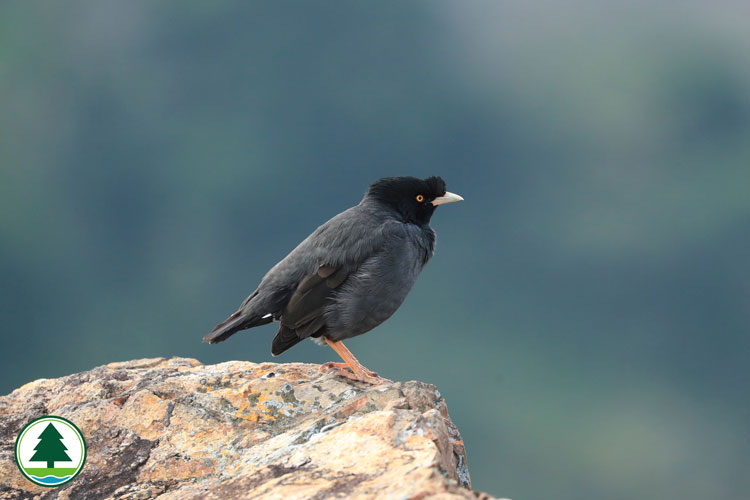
column 304, row 314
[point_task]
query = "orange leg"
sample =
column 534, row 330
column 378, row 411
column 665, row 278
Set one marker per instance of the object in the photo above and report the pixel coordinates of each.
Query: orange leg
column 359, row 372
column 349, row 354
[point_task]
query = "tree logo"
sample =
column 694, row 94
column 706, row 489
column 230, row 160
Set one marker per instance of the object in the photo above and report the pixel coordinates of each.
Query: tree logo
column 50, row 451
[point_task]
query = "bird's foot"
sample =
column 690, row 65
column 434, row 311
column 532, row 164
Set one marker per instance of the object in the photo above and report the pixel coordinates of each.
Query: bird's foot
column 343, row 366
column 362, row 375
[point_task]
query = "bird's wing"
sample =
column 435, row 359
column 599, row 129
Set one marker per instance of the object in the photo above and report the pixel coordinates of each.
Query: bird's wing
column 304, row 314
column 345, row 241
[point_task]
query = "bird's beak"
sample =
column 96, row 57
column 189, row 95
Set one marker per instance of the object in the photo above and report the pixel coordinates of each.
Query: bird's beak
column 447, row 198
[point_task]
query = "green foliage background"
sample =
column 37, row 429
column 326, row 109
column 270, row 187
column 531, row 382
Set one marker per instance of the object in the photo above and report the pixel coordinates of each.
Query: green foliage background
column 586, row 313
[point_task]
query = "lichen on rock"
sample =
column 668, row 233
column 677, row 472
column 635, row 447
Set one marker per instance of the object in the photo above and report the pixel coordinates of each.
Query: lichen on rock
column 176, row 429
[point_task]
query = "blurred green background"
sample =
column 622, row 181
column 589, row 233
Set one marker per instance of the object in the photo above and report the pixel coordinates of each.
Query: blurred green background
column 586, row 312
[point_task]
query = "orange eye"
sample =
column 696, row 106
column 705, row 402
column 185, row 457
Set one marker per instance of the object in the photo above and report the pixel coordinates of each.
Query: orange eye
column 420, row 198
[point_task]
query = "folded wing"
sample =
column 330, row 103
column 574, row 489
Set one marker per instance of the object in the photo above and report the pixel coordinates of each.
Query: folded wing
column 304, row 314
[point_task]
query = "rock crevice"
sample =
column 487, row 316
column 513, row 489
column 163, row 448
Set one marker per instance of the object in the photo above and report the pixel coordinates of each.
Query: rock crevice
column 172, row 429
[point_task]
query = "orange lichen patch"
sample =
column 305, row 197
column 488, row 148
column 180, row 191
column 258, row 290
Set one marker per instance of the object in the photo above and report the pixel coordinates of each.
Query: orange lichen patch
column 264, row 369
column 262, row 407
column 242, row 408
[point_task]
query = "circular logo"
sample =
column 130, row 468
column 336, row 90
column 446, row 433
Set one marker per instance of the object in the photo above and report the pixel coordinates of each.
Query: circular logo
column 50, row 451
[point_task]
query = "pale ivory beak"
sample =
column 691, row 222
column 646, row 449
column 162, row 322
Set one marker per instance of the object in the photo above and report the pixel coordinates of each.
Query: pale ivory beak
column 447, row 198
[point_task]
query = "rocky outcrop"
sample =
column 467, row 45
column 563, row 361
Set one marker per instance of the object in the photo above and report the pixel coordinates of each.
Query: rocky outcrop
column 176, row 429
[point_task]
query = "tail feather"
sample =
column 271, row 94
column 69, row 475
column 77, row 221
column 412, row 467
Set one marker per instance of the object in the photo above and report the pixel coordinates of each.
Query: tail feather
column 234, row 324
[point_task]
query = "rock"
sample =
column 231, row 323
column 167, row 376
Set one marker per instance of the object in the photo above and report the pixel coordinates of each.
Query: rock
column 176, row 429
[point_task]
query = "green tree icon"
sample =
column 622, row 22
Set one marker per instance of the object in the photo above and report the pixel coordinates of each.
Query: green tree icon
column 50, row 448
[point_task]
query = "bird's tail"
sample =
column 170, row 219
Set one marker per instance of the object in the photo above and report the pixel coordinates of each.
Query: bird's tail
column 234, row 324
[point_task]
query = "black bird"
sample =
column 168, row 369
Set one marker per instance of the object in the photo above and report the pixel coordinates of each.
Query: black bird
column 350, row 274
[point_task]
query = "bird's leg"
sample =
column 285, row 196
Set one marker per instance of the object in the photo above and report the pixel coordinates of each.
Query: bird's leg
column 349, row 353
column 359, row 372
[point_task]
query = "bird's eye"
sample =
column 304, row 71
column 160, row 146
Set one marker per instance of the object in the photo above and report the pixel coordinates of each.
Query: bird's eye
column 420, row 198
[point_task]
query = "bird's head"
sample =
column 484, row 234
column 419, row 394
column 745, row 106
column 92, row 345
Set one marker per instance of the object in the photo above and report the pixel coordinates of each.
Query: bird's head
column 415, row 199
